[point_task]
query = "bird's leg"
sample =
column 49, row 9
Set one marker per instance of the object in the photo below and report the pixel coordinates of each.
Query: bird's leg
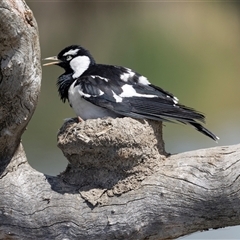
column 79, row 119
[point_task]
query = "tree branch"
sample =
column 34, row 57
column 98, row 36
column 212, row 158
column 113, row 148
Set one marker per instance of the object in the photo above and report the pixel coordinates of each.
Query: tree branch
column 119, row 184
column 20, row 74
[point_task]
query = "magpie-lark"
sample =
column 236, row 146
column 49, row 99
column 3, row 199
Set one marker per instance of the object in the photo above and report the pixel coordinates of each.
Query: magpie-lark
column 97, row 90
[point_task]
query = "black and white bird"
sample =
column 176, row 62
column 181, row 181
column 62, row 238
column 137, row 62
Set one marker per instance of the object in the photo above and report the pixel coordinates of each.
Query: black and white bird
column 97, row 91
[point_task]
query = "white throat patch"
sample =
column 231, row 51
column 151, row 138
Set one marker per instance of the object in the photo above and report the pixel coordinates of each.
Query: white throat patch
column 79, row 65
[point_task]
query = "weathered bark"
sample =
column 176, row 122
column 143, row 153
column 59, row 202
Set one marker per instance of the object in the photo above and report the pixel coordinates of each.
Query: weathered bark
column 20, row 74
column 161, row 198
column 120, row 184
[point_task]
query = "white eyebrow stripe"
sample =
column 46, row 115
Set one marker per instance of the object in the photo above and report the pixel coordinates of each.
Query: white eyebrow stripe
column 71, row 52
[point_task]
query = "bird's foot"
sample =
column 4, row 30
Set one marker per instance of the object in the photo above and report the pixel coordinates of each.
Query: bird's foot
column 79, row 119
column 75, row 119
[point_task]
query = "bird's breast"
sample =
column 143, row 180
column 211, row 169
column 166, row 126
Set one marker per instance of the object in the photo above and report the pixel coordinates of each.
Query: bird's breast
column 84, row 108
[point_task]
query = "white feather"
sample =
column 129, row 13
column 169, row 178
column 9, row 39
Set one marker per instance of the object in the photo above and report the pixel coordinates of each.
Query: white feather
column 85, row 109
column 116, row 97
column 129, row 91
column 143, row 80
column 79, row 65
column 71, row 52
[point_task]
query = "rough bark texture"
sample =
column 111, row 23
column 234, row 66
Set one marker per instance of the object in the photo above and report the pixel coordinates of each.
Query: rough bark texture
column 120, row 183
column 20, row 74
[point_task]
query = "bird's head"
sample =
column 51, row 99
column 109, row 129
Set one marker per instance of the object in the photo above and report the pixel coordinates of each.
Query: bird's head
column 74, row 59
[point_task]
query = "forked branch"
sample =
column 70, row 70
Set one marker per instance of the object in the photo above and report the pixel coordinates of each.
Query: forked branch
column 119, row 184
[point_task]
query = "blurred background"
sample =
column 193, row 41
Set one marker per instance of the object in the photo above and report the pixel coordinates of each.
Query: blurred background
column 190, row 49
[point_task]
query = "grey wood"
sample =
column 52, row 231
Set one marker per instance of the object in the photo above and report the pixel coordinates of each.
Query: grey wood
column 119, row 184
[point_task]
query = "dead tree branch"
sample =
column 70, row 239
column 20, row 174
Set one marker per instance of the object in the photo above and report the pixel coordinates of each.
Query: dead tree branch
column 119, row 184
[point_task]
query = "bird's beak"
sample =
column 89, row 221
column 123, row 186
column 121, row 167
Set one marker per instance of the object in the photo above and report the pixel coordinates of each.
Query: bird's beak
column 54, row 59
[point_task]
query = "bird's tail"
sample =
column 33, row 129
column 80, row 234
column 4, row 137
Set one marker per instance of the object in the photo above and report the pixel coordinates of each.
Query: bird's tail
column 204, row 130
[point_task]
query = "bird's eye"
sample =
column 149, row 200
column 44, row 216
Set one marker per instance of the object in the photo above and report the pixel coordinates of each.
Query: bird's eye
column 68, row 58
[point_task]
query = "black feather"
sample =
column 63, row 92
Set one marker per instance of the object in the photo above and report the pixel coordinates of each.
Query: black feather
column 120, row 90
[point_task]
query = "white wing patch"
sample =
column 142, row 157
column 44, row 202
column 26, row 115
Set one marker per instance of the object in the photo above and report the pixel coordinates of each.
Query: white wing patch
column 129, row 91
column 143, row 80
column 128, row 75
column 82, row 94
column 100, row 94
column 96, row 76
column 175, row 99
column 124, row 77
column 116, row 97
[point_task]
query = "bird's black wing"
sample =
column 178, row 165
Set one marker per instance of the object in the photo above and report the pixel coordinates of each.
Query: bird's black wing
column 144, row 101
column 135, row 100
